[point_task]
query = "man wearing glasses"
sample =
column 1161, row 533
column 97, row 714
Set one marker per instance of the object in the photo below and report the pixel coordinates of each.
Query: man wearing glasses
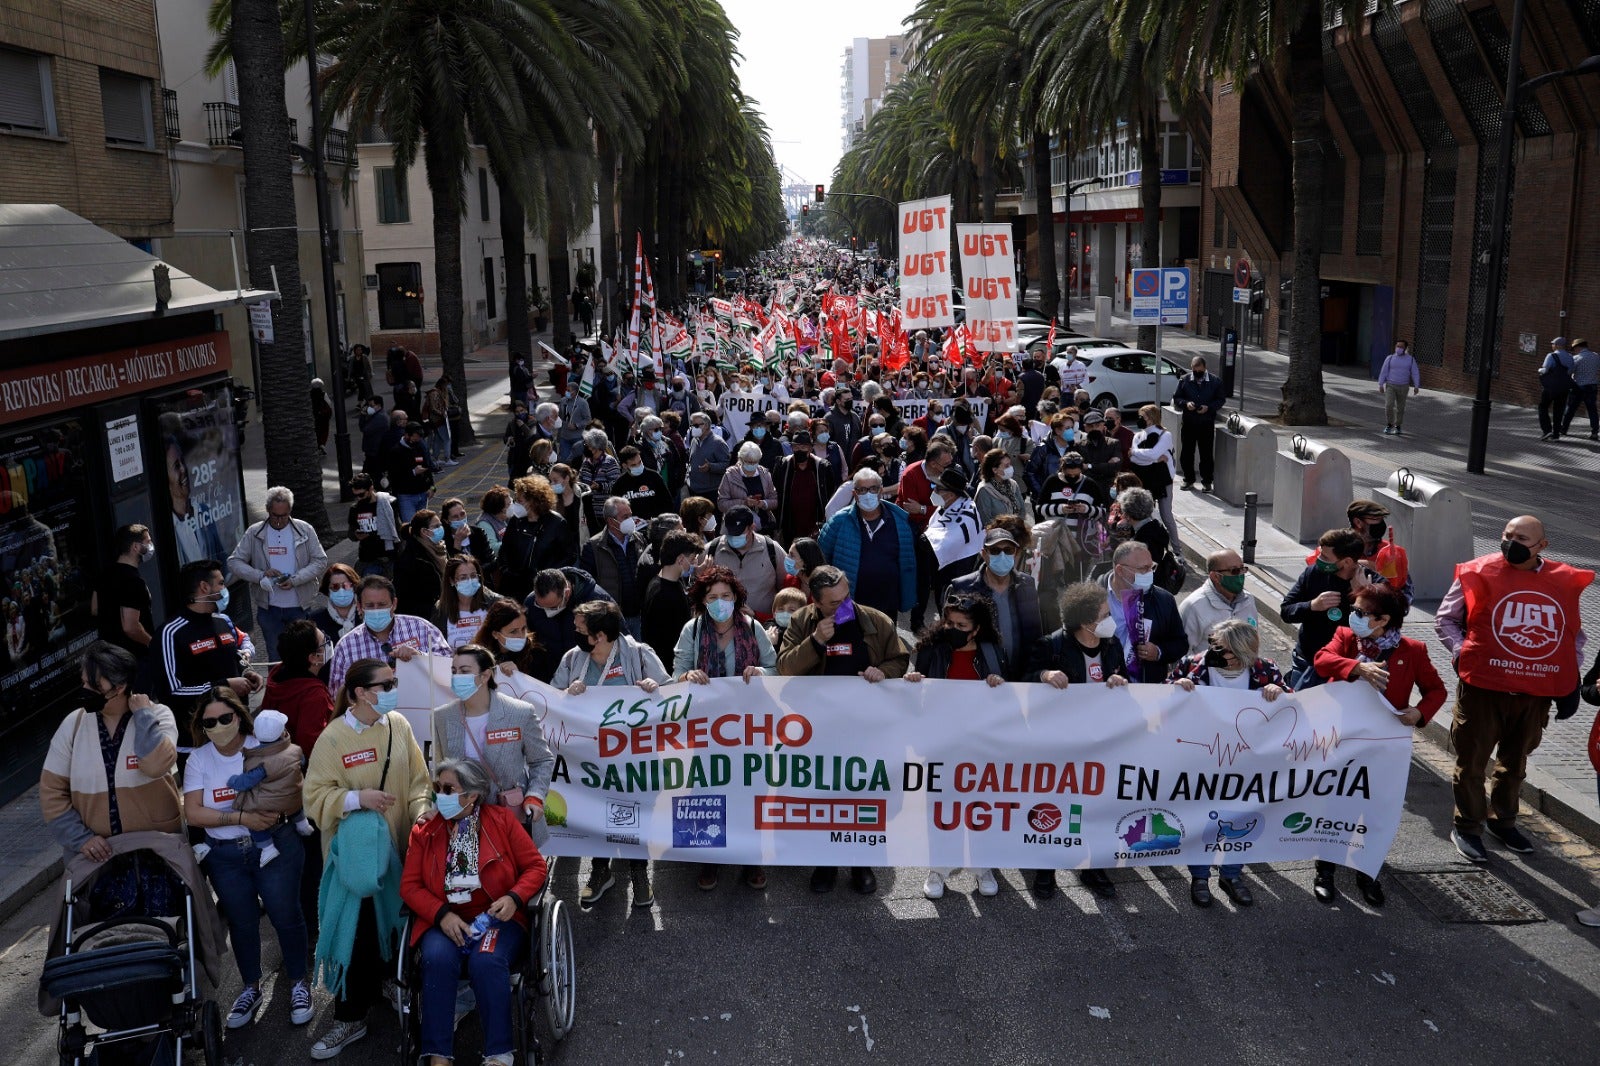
column 872, row 542
column 1147, row 618
column 1222, row 597
column 383, row 634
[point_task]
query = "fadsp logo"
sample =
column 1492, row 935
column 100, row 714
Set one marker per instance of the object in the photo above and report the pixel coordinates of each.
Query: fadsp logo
column 620, row 815
column 1045, row 817
column 1528, row 625
column 1297, row 823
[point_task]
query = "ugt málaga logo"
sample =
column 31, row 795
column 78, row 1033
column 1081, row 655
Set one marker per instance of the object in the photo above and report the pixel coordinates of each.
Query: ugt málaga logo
column 1528, row 625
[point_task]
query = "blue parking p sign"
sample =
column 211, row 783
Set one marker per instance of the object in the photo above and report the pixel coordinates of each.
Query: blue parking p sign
column 1175, row 296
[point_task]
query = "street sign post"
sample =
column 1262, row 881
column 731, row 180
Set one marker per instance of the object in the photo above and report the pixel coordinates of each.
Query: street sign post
column 1174, row 296
column 1241, row 299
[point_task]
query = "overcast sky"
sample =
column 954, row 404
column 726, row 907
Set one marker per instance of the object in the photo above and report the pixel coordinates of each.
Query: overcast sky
column 792, row 54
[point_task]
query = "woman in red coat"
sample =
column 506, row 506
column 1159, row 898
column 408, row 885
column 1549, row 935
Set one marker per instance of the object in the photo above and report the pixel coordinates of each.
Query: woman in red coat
column 1371, row 649
column 469, row 875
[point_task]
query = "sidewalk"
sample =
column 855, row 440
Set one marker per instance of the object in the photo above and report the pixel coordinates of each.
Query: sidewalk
column 1556, row 482
column 29, row 860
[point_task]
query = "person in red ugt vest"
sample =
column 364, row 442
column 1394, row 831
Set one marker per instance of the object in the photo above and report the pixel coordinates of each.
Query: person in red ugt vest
column 1511, row 623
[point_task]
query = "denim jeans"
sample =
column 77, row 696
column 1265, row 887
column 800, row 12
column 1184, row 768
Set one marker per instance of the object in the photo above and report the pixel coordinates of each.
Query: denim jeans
column 439, row 443
column 408, row 504
column 235, row 869
column 1228, row 870
column 273, row 620
column 490, row 974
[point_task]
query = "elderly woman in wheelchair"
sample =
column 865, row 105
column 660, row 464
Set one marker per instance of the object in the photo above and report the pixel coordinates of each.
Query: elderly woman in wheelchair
column 469, row 874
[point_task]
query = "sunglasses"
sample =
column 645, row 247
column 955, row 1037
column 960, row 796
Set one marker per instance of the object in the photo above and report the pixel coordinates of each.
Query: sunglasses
column 445, row 790
column 1235, row 571
column 386, row 686
column 221, row 719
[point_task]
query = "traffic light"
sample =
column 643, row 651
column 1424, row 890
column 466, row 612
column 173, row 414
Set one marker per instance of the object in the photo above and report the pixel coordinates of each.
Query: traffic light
column 805, row 209
column 820, row 195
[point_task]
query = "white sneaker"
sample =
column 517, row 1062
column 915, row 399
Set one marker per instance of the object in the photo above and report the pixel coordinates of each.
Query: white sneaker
column 987, row 885
column 933, row 887
column 269, row 852
column 1590, row 917
column 339, row 1036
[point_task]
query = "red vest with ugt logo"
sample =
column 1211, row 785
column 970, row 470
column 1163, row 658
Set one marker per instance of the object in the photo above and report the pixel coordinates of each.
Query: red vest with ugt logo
column 1522, row 626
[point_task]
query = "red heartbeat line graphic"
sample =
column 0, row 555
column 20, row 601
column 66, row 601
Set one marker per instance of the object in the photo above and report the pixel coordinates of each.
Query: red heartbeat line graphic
column 1300, row 750
column 1226, row 751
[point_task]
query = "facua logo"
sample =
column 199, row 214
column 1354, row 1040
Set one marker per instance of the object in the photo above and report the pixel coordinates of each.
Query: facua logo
column 1528, row 625
column 1046, row 818
column 1297, row 823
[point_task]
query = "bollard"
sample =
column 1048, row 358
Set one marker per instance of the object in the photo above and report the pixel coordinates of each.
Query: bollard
column 1248, row 548
column 1433, row 522
column 1246, row 451
column 1311, row 489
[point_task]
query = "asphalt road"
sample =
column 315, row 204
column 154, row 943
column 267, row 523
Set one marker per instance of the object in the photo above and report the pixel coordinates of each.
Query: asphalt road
column 783, row 976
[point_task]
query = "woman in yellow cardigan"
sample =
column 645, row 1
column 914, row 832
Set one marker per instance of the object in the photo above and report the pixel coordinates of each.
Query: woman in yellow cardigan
column 366, row 759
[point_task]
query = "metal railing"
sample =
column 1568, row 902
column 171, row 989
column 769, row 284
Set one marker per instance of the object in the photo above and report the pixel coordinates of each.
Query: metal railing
column 337, row 149
column 223, row 124
column 169, row 108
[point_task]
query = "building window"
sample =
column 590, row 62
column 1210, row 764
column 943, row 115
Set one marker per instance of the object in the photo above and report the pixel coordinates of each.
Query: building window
column 399, row 295
column 483, row 196
column 125, row 103
column 27, row 102
column 393, row 207
column 489, row 285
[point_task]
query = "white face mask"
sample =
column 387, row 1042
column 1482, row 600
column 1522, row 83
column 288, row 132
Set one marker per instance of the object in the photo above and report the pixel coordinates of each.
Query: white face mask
column 517, row 510
column 1106, row 628
column 709, row 525
column 629, row 526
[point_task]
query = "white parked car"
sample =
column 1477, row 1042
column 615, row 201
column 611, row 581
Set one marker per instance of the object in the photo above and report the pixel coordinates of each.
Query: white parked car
column 1126, row 378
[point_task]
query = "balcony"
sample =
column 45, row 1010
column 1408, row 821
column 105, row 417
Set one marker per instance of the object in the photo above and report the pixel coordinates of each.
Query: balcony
column 169, row 108
column 223, row 123
column 337, row 150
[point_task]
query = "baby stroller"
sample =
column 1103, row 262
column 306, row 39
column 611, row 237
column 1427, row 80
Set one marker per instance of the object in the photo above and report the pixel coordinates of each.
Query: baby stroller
column 135, row 977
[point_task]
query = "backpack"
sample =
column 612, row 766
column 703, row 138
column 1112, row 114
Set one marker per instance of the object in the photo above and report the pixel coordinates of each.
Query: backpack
column 1170, row 573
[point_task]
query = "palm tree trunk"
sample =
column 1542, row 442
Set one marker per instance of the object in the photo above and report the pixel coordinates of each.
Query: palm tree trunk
column 1304, row 402
column 1049, row 288
column 560, row 267
column 444, row 182
column 286, row 417
column 986, row 180
column 512, row 224
column 666, row 222
column 610, row 276
column 1150, row 204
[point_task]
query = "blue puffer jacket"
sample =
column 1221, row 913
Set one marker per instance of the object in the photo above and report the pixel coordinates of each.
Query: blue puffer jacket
column 840, row 541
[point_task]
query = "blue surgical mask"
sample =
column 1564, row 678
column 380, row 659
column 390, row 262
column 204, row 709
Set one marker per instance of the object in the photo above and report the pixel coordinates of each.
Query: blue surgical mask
column 463, row 685
column 457, row 523
column 905, row 445
column 437, row 533
column 790, row 566
column 1069, row 433
column 515, row 644
column 1360, row 626
column 1001, row 563
column 867, row 501
column 388, row 701
column 656, row 436
column 782, row 618
column 759, row 432
column 222, row 600
column 449, row 807
column 822, row 438
column 469, row 587
column 341, row 597
column 720, row 610
column 1144, row 581
column 737, row 541
column 636, row 470
column 378, row 619
column 878, row 431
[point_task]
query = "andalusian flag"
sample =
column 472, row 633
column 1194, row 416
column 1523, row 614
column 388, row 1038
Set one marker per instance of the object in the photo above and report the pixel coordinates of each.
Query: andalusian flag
column 586, row 383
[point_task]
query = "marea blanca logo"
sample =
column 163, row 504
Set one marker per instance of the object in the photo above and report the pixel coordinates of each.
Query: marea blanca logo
column 1233, row 831
column 700, row 821
column 1528, row 625
column 1046, row 818
column 1147, row 832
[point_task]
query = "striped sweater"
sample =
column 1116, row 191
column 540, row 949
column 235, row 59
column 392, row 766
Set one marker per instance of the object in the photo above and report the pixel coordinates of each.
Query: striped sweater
column 73, row 791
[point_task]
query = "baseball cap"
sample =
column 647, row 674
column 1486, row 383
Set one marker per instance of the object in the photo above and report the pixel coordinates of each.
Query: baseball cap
column 738, row 519
column 998, row 535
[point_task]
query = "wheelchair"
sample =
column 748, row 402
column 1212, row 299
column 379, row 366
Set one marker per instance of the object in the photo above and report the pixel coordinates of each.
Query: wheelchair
column 544, row 987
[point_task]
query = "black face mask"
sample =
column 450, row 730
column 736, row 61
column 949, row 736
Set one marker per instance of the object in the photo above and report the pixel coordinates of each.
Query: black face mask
column 953, row 637
column 1377, row 529
column 1216, row 658
column 1515, row 552
column 91, row 700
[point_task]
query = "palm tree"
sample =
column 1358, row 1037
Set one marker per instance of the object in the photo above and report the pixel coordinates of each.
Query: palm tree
column 1240, row 38
column 440, row 75
column 979, row 58
column 251, row 32
column 1093, row 68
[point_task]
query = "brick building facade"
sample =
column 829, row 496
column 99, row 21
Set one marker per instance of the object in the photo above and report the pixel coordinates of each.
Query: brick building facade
column 83, row 126
column 1413, row 101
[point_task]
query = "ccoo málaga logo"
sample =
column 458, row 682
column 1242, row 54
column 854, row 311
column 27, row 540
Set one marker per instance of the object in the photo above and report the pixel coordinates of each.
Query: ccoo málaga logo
column 1528, row 625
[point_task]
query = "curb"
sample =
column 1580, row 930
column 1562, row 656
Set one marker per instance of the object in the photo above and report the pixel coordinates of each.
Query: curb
column 16, row 894
column 1539, row 790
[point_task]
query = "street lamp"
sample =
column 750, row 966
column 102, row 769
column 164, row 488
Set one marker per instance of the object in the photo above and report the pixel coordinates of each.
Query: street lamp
column 1478, row 442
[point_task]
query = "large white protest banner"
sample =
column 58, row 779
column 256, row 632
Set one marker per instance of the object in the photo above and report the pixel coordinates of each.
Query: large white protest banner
column 925, row 293
column 737, row 411
column 989, row 285
column 830, row 771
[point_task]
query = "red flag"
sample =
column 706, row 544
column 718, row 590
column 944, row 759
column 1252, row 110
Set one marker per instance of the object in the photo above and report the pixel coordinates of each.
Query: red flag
column 1050, row 341
column 951, row 347
column 896, row 349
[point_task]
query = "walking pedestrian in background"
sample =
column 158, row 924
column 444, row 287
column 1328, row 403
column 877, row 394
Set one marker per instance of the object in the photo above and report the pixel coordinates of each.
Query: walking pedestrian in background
column 1555, row 379
column 1399, row 371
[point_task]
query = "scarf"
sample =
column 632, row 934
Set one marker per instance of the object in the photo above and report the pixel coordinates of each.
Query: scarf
column 462, row 859
column 1378, row 649
column 362, row 864
column 709, row 656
